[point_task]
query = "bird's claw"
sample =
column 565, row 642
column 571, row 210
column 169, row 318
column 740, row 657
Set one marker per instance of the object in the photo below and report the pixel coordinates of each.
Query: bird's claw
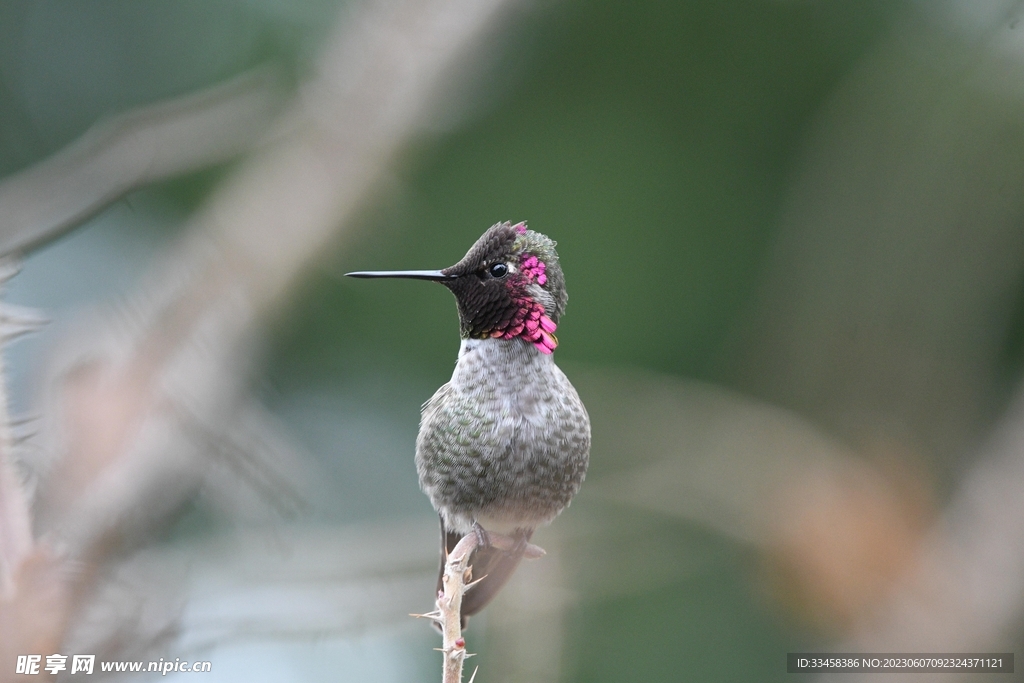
column 482, row 539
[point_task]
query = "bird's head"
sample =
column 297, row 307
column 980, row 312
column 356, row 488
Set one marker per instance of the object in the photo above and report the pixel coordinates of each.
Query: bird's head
column 509, row 285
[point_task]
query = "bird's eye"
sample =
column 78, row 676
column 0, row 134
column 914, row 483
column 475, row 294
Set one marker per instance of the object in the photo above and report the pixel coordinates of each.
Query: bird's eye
column 498, row 270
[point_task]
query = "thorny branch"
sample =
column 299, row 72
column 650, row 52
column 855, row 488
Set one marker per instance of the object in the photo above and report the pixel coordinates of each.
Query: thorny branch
column 457, row 579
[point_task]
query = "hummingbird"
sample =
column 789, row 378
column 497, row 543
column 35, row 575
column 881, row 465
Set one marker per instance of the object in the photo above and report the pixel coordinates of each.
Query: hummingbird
column 504, row 445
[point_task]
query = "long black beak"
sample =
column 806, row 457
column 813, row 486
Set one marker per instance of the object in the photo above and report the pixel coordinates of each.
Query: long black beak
column 435, row 275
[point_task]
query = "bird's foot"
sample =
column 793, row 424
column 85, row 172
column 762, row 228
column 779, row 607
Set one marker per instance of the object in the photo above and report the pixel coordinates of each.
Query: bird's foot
column 482, row 539
column 520, row 536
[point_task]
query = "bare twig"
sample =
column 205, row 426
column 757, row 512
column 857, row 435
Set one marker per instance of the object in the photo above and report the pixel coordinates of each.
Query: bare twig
column 456, row 581
column 457, row 574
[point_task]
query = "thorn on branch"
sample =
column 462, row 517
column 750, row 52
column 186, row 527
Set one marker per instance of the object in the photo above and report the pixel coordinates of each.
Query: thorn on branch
column 456, row 581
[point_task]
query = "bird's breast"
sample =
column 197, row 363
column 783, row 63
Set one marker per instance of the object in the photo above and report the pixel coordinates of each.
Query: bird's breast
column 507, row 437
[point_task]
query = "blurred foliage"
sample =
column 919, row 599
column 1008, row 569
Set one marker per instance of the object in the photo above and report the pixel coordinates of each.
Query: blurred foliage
column 653, row 140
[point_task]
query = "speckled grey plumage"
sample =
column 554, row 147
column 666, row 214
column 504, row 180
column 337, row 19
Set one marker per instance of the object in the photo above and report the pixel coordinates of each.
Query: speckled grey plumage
column 506, row 442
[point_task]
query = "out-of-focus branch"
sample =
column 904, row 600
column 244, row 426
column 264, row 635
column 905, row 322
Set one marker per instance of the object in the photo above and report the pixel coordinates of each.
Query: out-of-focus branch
column 855, row 545
column 140, row 395
column 886, row 310
column 375, row 83
column 15, row 524
column 33, row 599
column 129, row 151
column 15, row 521
column 123, row 384
column 310, row 582
column 966, row 592
column 835, row 527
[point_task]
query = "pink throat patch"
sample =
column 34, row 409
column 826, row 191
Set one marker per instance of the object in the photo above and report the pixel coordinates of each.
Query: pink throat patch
column 530, row 323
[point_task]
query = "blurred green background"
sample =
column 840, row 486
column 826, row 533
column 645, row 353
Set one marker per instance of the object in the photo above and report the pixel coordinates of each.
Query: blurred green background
column 651, row 140
column 659, row 143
